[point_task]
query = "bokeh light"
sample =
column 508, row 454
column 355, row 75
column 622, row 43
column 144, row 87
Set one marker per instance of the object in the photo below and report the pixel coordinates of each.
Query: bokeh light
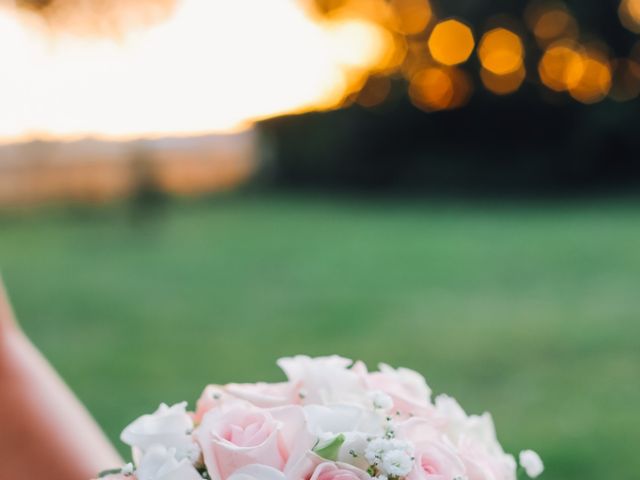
column 501, row 51
column 342, row 53
column 412, row 16
column 369, row 44
column 416, row 59
column 584, row 72
column 376, row 11
column 393, row 55
column 503, row 84
column 626, row 80
column 629, row 13
column 595, row 82
column 431, row 89
column 451, row 42
column 561, row 66
column 440, row 88
column 550, row 21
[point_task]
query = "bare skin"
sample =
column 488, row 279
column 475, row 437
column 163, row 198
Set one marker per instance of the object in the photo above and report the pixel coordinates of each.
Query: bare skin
column 45, row 432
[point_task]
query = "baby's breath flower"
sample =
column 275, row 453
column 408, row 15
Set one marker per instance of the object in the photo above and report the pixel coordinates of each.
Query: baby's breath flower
column 397, row 463
column 531, row 463
column 401, row 445
column 127, row 470
column 391, row 456
column 376, row 448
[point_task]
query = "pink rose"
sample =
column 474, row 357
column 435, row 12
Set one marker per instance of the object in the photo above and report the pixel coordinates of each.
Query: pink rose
column 263, row 395
column 436, row 461
column 436, row 457
column 240, row 434
column 212, row 397
column 332, row 471
column 486, row 462
column 475, row 439
column 257, row 472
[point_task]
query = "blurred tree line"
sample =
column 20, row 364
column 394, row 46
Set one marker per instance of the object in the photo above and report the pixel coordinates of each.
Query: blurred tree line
column 533, row 140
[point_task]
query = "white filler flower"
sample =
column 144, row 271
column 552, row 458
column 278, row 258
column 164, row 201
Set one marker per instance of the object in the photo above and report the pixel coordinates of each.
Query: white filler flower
column 392, row 457
column 376, row 450
column 531, row 462
column 397, row 463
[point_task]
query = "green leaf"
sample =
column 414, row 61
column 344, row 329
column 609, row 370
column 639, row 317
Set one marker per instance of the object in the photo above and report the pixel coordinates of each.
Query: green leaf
column 329, row 450
column 113, row 471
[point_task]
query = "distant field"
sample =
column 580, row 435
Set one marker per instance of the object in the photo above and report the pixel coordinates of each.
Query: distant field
column 531, row 312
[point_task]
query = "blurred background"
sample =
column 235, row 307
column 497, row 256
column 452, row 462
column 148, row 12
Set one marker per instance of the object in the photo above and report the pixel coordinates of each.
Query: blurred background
column 192, row 189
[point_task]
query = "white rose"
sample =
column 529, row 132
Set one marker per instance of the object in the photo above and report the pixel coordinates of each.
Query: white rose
column 532, row 463
column 325, row 380
column 160, row 463
column 168, row 426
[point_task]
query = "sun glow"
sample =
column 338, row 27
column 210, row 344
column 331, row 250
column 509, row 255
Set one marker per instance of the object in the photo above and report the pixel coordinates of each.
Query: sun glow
column 210, row 66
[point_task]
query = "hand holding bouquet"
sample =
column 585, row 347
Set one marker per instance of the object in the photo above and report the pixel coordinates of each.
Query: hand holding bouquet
column 332, row 420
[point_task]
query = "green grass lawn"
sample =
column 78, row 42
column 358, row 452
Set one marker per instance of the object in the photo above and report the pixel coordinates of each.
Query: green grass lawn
column 531, row 312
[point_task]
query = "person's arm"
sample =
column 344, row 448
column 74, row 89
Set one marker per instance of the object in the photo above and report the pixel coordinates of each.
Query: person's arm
column 45, row 432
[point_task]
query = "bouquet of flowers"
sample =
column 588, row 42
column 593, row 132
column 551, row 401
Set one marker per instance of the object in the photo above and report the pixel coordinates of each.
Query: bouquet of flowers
column 332, row 420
